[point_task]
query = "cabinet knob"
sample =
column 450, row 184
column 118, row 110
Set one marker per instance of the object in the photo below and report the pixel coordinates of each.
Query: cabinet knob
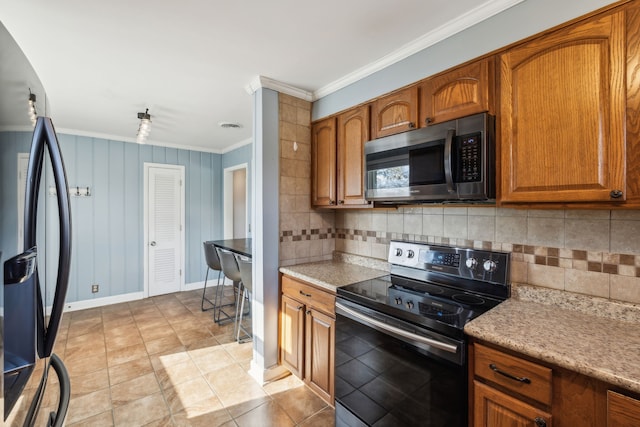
column 332, row 202
column 540, row 422
column 428, row 120
column 411, row 125
column 341, row 202
column 615, row 194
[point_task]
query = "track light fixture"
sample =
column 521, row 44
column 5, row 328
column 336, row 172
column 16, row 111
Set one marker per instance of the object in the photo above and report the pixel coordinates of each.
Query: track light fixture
column 33, row 114
column 145, row 126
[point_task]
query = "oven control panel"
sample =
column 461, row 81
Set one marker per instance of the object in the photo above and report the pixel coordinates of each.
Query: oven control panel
column 488, row 266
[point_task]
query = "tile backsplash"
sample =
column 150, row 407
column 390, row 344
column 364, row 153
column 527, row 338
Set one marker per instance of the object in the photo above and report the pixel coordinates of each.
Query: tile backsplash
column 590, row 252
column 306, row 235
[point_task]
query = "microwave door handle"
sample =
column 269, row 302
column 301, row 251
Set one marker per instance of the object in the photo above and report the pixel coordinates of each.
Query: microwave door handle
column 448, row 171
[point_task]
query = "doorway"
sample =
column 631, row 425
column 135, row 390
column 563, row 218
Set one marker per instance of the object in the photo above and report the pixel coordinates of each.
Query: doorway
column 236, row 206
column 164, row 216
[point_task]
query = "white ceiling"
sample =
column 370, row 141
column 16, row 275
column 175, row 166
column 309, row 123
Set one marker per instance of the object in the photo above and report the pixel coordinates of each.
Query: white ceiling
column 190, row 61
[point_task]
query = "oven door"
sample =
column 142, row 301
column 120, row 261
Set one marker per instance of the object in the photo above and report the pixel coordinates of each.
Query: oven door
column 393, row 373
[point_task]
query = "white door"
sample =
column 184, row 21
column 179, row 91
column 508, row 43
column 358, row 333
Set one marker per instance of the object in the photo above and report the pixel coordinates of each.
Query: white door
column 165, row 231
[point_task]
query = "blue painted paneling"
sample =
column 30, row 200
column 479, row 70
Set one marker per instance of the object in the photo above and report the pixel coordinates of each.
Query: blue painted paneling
column 108, row 247
column 134, row 207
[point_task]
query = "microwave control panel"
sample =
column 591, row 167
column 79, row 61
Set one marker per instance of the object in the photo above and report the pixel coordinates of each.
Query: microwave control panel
column 469, row 158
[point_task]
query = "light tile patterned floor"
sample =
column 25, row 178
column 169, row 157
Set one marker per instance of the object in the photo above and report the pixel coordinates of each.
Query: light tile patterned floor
column 162, row 361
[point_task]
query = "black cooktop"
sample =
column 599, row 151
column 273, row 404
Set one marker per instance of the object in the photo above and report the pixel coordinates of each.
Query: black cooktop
column 439, row 307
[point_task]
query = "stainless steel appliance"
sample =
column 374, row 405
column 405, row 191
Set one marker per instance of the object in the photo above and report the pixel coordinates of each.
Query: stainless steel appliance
column 400, row 355
column 450, row 161
column 29, row 336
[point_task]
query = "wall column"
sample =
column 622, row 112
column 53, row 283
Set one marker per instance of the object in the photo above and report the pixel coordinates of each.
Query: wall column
column 266, row 241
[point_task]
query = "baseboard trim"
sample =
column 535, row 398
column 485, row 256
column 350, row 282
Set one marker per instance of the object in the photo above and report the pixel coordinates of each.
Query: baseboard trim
column 99, row 302
column 133, row 296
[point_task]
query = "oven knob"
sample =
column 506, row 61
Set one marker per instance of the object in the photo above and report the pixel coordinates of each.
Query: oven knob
column 409, row 305
column 471, row 263
column 490, row 266
column 398, row 301
column 410, row 253
column 398, row 252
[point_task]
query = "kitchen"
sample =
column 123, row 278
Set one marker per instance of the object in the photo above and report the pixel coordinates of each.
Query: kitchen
column 539, row 237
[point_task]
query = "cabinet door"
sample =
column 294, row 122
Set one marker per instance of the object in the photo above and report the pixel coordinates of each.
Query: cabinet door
column 292, row 335
column 323, row 161
column 562, row 115
column 495, row 409
column 320, row 342
column 395, row 113
column 622, row 411
column 353, row 132
column 457, row 93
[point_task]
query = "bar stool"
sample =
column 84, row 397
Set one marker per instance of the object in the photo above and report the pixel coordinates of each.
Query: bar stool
column 213, row 263
column 231, row 272
column 244, row 264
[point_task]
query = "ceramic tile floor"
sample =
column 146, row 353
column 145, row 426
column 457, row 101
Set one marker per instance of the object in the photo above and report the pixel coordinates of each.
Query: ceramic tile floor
column 161, row 361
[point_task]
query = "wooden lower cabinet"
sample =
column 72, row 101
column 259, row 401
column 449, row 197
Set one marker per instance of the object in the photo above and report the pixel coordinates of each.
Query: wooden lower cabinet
column 622, row 411
column 511, row 390
column 307, row 335
column 320, row 344
column 493, row 408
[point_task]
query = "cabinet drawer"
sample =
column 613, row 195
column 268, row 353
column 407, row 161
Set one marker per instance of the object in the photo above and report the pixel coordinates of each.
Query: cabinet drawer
column 622, row 411
column 309, row 295
column 515, row 374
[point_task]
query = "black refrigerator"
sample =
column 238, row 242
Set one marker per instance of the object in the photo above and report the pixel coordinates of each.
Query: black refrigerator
column 29, row 330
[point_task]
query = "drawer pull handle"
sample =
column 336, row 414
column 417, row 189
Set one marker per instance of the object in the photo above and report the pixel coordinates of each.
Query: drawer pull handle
column 497, row 370
column 306, row 295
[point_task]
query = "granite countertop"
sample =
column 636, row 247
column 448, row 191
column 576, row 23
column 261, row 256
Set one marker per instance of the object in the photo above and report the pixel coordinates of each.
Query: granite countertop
column 332, row 274
column 603, row 343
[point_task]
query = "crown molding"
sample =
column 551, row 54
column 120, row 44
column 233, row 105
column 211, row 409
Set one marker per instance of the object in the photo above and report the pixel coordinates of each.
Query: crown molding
column 267, row 83
column 237, row 145
column 76, row 132
column 482, row 12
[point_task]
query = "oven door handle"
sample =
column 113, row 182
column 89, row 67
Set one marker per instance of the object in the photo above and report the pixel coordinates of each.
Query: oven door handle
column 389, row 328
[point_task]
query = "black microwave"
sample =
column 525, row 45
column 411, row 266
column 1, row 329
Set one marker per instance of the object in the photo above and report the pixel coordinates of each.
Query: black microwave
column 449, row 161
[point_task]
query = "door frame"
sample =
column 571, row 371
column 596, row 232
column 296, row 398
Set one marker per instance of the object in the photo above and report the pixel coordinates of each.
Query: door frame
column 145, row 220
column 228, row 200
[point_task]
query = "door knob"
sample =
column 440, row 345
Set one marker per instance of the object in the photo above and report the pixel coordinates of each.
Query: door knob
column 153, row 243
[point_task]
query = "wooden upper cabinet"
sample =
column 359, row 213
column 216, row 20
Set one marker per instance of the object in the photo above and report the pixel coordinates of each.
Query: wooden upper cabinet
column 323, row 163
column 457, row 93
column 353, row 132
column 562, row 115
column 395, row 113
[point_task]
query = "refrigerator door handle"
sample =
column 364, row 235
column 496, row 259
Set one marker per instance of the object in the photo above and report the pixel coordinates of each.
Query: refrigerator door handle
column 44, row 135
column 56, row 419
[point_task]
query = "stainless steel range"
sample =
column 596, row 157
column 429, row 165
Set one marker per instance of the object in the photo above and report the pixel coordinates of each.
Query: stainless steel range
column 400, row 346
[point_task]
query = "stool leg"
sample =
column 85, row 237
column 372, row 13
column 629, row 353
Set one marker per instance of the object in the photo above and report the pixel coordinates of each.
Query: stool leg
column 245, row 295
column 239, row 306
column 213, row 304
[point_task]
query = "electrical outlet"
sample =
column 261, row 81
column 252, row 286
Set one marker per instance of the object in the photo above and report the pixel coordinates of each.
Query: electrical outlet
column 95, row 289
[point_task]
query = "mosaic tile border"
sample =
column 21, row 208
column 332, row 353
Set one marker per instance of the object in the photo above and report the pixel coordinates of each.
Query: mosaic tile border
column 599, row 262
column 313, row 234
